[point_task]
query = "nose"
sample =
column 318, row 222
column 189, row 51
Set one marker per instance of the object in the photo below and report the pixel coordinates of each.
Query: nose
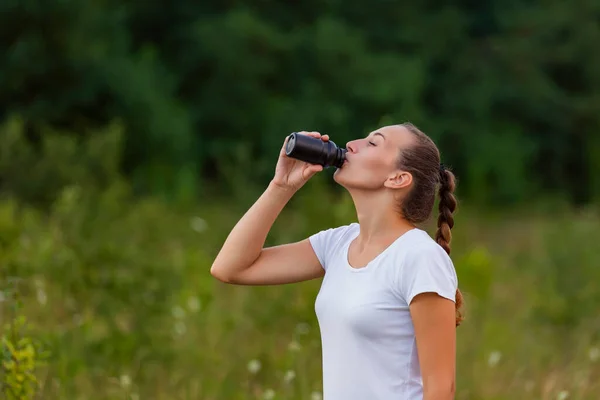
column 350, row 147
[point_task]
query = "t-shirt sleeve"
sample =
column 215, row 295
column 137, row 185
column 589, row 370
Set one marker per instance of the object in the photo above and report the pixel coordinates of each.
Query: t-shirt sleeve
column 325, row 242
column 428, row 269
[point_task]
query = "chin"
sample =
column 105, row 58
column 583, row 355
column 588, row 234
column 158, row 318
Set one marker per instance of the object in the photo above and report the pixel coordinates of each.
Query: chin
column 352, row 181
column 342, row 178
column 336, row 175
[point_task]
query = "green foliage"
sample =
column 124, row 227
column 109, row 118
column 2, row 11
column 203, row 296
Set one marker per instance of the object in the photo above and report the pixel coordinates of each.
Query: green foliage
column 37, row 172
column 117, row 113
column 508, row 92
column 19, row 362
column 88, row 73
column 475, row 269
column 110, row 270
column 117, row 288
column 568, row 273
column 22, row 355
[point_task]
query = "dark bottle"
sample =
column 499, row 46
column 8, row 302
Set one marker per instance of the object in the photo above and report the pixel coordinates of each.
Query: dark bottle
column 314, row 150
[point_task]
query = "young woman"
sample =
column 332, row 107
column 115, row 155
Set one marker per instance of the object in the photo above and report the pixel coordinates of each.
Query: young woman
column 389, row 303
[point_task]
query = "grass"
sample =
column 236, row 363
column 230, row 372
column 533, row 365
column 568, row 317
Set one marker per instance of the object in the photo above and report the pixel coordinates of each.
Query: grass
column 118, row 292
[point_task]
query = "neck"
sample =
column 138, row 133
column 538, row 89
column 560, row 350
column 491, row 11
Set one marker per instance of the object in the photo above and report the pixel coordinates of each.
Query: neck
column 378, row 217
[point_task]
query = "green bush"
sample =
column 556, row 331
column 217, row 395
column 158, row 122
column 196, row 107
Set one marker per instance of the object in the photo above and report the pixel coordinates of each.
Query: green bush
column 37, row 171
column 118, row 290
column 22, row 355
column 118, row 300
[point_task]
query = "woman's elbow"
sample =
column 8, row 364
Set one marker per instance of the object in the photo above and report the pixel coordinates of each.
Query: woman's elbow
column 219, row 274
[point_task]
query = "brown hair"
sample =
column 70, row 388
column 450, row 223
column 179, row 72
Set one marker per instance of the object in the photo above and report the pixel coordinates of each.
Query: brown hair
column 422, row 160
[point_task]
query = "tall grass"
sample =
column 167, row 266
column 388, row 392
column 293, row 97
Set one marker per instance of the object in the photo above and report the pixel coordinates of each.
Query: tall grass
column 108, row 295
column 117, row 291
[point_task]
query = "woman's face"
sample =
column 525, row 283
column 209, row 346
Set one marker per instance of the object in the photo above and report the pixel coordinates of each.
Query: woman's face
column 372, row 161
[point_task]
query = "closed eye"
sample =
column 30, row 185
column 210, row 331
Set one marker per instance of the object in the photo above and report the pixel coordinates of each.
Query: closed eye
column 372, row 144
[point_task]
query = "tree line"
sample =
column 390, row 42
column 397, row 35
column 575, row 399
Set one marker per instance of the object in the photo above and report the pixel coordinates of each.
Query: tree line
column 508, row 89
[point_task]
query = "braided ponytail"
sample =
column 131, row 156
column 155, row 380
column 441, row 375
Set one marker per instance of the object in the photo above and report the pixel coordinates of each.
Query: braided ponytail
column 445, row 222
column 422, row 160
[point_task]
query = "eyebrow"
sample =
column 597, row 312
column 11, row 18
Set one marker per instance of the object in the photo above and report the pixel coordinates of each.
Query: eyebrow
column 380, row 134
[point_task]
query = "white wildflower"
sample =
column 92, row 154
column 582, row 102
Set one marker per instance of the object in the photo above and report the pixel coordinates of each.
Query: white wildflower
column 494, row 358
column 198, row 224
column 269, row 394
column 178, row 312
column 254, row 366
column 316, row 396
column 42, row 298
column 2, row 296
column 193, row 304
column 134, row 396
column 294, row 346
column 289, row 376
column 594, row 354
column 180, row 328
column 125, row 381
column 563, row 395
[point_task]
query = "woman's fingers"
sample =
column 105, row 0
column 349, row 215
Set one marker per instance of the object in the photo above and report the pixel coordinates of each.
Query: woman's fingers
column 311, row 170
column 314, row 134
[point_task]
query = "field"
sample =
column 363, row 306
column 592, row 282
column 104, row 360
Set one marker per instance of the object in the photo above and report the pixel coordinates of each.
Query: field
column 143, row 131
column 117, row 300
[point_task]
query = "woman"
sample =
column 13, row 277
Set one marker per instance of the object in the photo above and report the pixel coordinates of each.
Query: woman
column 389, row 302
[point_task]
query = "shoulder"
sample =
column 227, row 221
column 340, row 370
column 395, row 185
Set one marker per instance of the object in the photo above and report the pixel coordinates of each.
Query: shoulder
column 334, row 234
column 425, row 253
column 327, row 241
column 420, row 245
column 425, row 266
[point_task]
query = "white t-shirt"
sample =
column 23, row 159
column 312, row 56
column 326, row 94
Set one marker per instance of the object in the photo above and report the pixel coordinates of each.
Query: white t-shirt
column 367, row 335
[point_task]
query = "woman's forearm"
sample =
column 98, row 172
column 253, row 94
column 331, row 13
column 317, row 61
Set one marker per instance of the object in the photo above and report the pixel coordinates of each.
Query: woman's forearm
column 246, row 240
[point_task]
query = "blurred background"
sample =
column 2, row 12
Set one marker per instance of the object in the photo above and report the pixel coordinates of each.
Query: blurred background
column 134, row 135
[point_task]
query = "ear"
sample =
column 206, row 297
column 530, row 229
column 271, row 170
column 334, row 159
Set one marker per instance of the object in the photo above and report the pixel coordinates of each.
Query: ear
column 399, row 180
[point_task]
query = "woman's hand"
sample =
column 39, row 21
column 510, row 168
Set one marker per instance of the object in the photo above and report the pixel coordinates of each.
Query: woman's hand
column 292, row 174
